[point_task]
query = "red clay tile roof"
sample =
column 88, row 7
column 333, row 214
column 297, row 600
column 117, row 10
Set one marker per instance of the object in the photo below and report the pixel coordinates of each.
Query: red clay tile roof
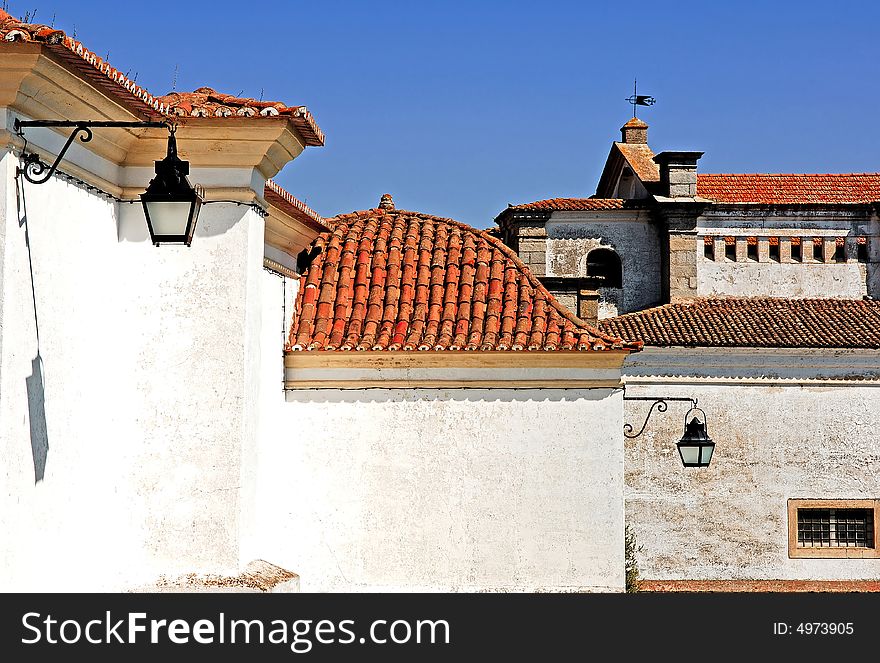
column 206, row 102
column 577, row 204
column 641, row 160
column 202, row 102
column 790, row 189
column 394, row 280
column 573, row 204
column 754, row 322
column 292, row 205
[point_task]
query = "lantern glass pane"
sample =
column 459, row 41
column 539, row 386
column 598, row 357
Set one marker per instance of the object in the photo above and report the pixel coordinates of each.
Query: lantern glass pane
column 169, row 218
column 707, row 453
column 689, row 455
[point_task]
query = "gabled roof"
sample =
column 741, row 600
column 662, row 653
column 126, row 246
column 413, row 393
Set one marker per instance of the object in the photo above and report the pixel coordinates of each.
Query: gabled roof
column 202, row 102
column 760, row 322
column 782, row 189
column 386, row 279
column 638, row 156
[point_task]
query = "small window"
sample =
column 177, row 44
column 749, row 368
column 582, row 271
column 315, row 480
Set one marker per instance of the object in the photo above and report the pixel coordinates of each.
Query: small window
column 840, row 249
column 832, row 528
column 730, row 248
column 709, row 247
column 862, row 249
column 752, row 248
column 817, row 249
column 773, row 249
column 796, row 249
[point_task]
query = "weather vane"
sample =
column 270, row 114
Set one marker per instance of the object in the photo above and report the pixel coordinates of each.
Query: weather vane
column 639, row 99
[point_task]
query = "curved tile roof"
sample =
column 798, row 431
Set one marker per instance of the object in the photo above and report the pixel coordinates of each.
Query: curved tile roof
column 770, row 189
column 761, row 322
column 203, row 102
column 385, row 279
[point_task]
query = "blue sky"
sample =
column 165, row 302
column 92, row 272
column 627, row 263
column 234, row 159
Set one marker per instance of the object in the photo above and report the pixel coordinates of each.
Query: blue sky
column 459, row 108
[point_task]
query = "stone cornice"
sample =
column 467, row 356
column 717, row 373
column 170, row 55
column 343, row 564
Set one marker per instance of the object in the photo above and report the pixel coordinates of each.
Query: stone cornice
column 361, row 370
column 754, row 365
column 35, row 83
column 287, row 233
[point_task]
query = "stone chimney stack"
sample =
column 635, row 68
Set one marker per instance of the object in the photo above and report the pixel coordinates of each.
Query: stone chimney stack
column 634, row 132
column 387, row 202
column 678, row 173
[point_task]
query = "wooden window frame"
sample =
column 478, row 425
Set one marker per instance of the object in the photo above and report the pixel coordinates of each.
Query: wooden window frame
column 801, row 552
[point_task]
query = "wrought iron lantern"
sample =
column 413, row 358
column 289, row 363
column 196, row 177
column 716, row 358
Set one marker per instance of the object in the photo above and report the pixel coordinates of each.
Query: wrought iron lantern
column 695, row 446
column 171, row 203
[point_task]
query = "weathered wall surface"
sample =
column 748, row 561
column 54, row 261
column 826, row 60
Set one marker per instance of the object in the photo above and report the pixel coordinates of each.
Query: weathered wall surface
column 776, row 438
column 782, row 275
column 123, row 423
column 773, row 279
column 452, row 490
column 572, row 235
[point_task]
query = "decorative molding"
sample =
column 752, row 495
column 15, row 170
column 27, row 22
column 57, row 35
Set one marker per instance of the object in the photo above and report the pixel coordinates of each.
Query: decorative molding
column 526, row 370
column 279, row 269
column 460, row 359
column 760, row 366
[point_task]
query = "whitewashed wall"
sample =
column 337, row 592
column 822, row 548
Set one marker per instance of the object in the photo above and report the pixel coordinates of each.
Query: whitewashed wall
column 572, row 235
column 771, row 278
column 441, row 490
column 122, row 433
column 778, row 435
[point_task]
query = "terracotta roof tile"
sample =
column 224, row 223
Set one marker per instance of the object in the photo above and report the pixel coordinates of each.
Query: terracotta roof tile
column 203, row 102
column 641, row 159
column 577, row 204
column 790, row 189
column 394, row 280
column 288, row 203
column 754, row 322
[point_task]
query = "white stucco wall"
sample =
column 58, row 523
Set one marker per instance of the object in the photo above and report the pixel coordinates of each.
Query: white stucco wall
column 783, row 278
column 572, row 235
column 778, row 436
column 444, row 490
column 122, row 457
column 772, row 279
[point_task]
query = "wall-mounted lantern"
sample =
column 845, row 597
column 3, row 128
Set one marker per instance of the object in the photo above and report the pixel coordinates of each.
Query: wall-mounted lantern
column 171, row 203
column 695, row 446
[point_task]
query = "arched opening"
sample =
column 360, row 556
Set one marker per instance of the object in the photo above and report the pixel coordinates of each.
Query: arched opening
column 605, row 264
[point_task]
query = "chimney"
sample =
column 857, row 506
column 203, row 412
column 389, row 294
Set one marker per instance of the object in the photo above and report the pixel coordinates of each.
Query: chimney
column 635, row 132
column 387, row 202
column 678, row 173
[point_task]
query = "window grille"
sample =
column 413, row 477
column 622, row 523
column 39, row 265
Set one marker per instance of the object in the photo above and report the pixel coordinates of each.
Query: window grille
column 835, row 528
